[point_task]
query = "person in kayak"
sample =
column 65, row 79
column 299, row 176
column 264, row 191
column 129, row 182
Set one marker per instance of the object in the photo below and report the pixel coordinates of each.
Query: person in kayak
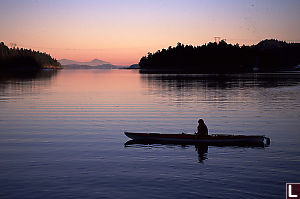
column 202, row 128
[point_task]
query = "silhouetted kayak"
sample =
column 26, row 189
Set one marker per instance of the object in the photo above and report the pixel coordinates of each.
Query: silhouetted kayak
column 214, row 139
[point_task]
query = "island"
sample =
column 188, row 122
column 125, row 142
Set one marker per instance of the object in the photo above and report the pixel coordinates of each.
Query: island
column 268, row 55
column 25, row 60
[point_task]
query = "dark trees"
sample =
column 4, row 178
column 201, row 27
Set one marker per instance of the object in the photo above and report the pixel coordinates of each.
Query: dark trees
column 225, row 58
column 24, row 59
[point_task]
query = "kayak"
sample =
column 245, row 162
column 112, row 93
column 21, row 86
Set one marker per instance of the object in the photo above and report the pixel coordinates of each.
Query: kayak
column 214, row 139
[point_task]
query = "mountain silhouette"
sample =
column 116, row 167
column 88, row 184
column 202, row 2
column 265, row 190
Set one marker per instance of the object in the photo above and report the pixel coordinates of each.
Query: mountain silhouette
column 94, row 62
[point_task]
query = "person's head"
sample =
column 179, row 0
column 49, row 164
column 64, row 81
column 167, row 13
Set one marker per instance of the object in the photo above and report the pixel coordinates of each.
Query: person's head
column 200, row 121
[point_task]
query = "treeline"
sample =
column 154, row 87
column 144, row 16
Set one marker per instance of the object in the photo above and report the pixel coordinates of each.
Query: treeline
column 20, row 59
column 267, row 55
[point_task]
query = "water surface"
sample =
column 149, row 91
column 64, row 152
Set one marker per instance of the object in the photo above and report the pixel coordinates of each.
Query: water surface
column 61, row 135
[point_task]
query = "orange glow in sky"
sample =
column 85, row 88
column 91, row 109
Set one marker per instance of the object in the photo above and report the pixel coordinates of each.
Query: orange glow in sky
column 122, row 31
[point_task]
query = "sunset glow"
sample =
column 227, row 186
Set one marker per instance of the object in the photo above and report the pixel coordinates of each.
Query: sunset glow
column 121, row 32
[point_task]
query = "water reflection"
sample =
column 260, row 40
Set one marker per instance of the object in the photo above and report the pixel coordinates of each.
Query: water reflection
column 224, row 81
column 201, row 149
column 44, row 74
column 200, row 90
column 19, row 83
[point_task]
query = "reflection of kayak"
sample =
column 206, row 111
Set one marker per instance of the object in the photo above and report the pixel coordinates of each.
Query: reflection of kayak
column 214, row 139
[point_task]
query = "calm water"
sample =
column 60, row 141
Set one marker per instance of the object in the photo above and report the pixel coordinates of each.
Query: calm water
column 61, row 135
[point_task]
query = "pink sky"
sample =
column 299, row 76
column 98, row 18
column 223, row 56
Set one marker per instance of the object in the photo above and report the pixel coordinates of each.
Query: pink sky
column 121, row 32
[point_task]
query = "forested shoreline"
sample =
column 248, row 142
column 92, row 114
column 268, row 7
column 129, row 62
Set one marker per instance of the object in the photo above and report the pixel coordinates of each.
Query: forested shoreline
column 267, row 55
column 20, row 59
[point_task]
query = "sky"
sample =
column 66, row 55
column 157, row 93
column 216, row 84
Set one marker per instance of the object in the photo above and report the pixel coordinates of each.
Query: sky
column 122, row 31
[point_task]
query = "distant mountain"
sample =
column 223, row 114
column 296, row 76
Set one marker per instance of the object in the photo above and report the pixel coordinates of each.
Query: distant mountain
column 94, row 62
column 76, row 66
